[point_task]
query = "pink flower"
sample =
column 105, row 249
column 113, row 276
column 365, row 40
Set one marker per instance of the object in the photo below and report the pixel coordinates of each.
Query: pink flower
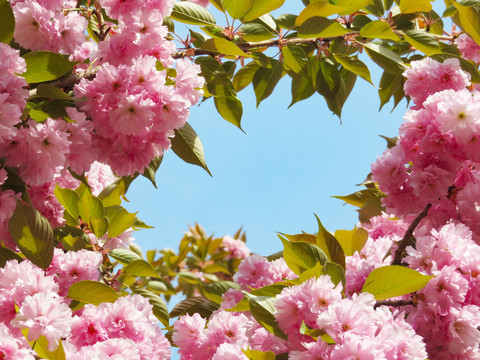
column 236, row 248
column 189, row 333
column 76, row 266
column 11, row 347
column 469, row 49
column 44, row 314
column 227, row 351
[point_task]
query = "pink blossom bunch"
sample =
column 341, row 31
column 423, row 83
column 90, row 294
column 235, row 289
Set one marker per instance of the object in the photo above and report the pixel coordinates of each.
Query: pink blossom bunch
column 44, row 25
column 436, row 156
column 70, row 267
column 109, row 328
column 13, row 94
column 236, row 248
column 469, row 49
column 40, row 309
column 224, row 337
column 448, row 312
column 126, row 325
column 134, row 112
column 256, row 271
column 428, row 76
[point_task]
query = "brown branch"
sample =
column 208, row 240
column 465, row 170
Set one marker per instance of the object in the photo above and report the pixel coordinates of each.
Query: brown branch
column 69, row 81
column 397, row 259
column 395, row 303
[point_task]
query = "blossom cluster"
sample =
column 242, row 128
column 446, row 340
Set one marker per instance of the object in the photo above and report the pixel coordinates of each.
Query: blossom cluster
column 33, row 300
column 435, row 160
column 354, row 326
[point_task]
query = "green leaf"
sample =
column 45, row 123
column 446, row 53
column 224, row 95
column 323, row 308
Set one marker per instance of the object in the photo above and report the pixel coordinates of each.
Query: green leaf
column 90, row 206
column 6, row 255
column 394, row 280
column 69, row 199
column 330, row 245
column 389, row 85
column 119, row 220
column 255, row 32
column 111, row 194
column 259, row 355
column 223, row 46
column 45, row 66
column 262, row 309
column 194, row 305
column 187, row 145
column 354, row 65
column 302, row 88
column 301, row 256
column 244, row 76
column 265, row 80
column 423, row 41
column 385, row 58
column 151, row 170
column 261, row 7
column 7, row 22
column 228, row 106
column 214, row 74
column 359, row 198
column 237, row 9
column 49, row 109
column 191, row 13
column 51, row 92
column 99, row 226
column 373, row 207
column 33, row 234
column 72, row 238
column 322, row 28
column 326, row 8
column 335, row 271
column 215, row 290
column 380, row 30
column 159, row 309
column 92, row 292
column 140, row 268
column 295, row 57
column 286, row 21
column 123, row 256
column 352, row 240
column 412, row 6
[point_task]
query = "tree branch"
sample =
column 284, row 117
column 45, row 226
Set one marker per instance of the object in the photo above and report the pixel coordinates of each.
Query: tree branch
column 397, row 259
column 395, row 303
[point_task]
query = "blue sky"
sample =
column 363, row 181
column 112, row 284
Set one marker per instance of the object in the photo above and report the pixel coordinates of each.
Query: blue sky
column 273, row 178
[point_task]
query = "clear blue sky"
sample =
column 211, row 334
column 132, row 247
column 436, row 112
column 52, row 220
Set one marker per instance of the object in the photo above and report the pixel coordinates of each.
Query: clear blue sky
column 274, row 177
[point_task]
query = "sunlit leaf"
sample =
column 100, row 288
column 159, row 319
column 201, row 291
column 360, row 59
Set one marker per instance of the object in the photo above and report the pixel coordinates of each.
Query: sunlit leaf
column 92, row 292
column 394, row 280
column 191, row 13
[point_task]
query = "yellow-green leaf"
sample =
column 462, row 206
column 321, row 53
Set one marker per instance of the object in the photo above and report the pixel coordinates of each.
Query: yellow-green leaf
column 468, row 17
column 354, row 65
column 412, row 6
column 322, row 28
column 380, row 30
column 140, row 268
column 391, row 281
column 261, row 7
column 236, row 8
column 191, row 13
column 7, row 22
column 223, row 46
column 92, row 292
column 326, row 8
column 352, row 240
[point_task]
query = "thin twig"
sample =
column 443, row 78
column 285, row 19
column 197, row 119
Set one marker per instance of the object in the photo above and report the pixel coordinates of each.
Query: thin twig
column 397, row 259
column 396, row 303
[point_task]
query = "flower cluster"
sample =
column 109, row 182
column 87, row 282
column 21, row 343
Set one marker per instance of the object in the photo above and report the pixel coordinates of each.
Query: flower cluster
column 126, row 326
column 436, row 157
